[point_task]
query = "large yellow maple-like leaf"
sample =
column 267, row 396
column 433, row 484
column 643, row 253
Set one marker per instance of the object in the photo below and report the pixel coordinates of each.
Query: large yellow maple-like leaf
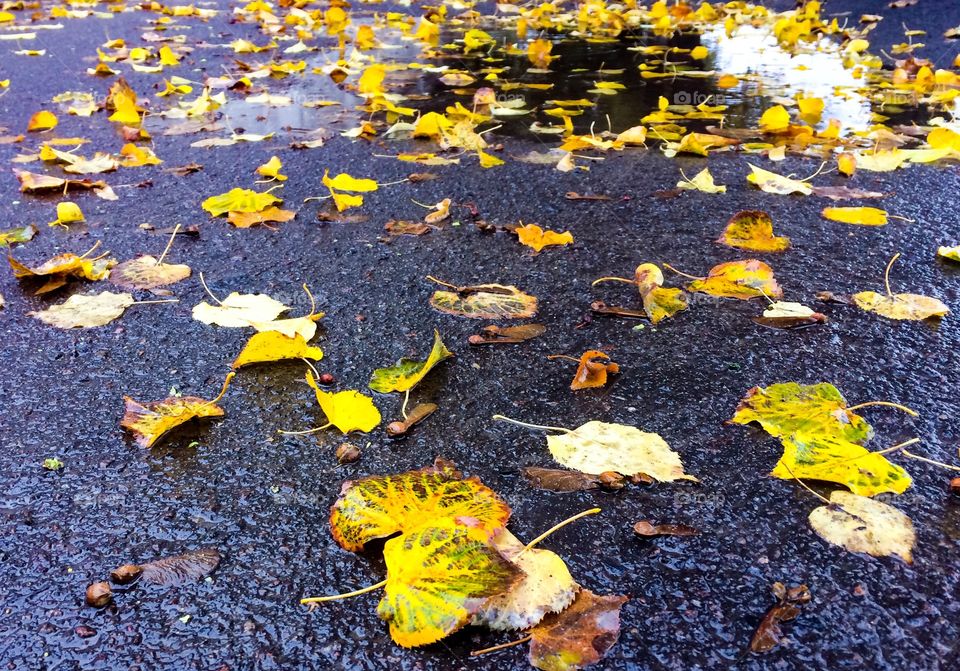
column 437, row 577
column 380, row 506
column 739, row 279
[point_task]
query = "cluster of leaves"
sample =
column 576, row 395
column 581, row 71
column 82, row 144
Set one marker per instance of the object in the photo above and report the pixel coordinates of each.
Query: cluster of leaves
column 455, row 563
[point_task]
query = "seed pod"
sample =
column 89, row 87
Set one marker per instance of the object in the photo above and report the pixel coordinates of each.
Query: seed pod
column 347, row 453
column 612, row 480
column 99, row 594
column 327, row 379
column 955, row 486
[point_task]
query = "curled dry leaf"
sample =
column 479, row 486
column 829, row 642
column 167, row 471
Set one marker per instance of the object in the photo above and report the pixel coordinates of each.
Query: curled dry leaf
column 145, row 273
column 789, row 600
column 440, row 212
column 11, row 236
column 647, row 528
column 271, row 346
column 438, row 576
column 753, row 230
column 545, row 586
column 406, row 373
column 179, row 569
column 34, row 182
column 597, row 447
column 592, row 370
column 860, row 524
column 381, row 505
column 81, row 311
column 601, row 308
column 559, row 480
column 948, row 253
column 739, row 279
column 702, row 181
column 401, row 227
column 57, row 270
column 485, row 301
column 778, row 184
column 347, row 410
column 658, row 302
column 579, row 636
column 537, row 238
column 270, row 215
column 495, row 335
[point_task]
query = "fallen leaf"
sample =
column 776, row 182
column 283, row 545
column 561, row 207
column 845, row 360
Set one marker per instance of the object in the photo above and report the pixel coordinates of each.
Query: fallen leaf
column 380, row 506
column 860, row 524
column 485, row 301
column 179, row 569
column 769, row 634
column 35, row 182
column 901, row 306
column 647, row 528
column 592, row 370
column 12, row 236
column 558, row 480
column 145, row 273
column 597, row 447
column 41, row 121
column 774, row 183
column 149, row 422
column 81, row 311
column 702, row 181
column 494, row 335
column 863, row 216
column 406, row 373
column 739, row 279
column 787, row 315
column 845, row 193
column 347, row 410
column 537, row 238
column 948, row 253
column 271, row 346
column 545, row 586
column 239, row 310
column 753, row 230
column 401, row 227
column 270, row 215
column 239, row 200
column 579, row 636
column 438, row 576
column 417, row 414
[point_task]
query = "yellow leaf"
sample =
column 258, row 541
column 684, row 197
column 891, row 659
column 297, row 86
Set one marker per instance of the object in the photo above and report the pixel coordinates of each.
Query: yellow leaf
column 346, row 410
column 167, row 57
column 345, row 201
column 238, row 200
column 42, row 120
column 272, row 169
column 658, row 302
column 864, row 216
column 149, row 422
column 379, row 506
column 432, row 125
column 146, row 273
column 80, row 311
column 739, row 279
column 538, row 51
column 406, row 373
column 67, row 213
column 537, row 238
column 488, row 160
column 546, row 586
column 702, row 181
column 949, row 253
column 371, row 80
column 860, row 524
column 775, row 120
column 598, row 447
column 272, row 214
column 437, row 577
column 753, row 230
column 475, row 39
column 344, row 182
column 810, row 107
column 847, row 164
column 774, row 183
column 901, row 306
column 273, row 346
column 485, row 301
column 698, row 53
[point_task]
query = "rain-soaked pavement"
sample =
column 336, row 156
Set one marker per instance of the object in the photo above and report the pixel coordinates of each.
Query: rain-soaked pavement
column 262, row 499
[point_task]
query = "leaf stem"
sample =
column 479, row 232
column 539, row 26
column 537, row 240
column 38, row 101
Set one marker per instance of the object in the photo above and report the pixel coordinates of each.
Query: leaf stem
column 307, row 431
column 223, row 390
column 173, row 236
column 889, row 404
column 91, row 250
column 313, row 303
column 502, row 646
column 166, row 300
column 563, row 356
column 207, row 289
column 886, row 274
column 403, row 409
column 681, row 273
column 557, row 527
column 930, row 461
column 612, row 279
column 898, row 446
column 501, row 418
column 805, row 486
column 347, row 595
column 442, row 283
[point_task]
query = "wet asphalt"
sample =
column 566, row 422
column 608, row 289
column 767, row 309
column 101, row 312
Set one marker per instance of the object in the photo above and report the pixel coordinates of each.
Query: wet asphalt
column 262, row 499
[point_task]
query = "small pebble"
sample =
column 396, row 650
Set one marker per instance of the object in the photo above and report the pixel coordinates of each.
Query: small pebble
column 347, row 453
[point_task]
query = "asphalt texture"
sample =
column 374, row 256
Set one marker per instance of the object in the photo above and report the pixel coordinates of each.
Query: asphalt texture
column 262, row 499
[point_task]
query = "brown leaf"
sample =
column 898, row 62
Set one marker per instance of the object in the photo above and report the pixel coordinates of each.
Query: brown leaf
column 601, row 308
column 769, row 634
column 646, row 528
column 186, row 169
column 559, row 480
column 573, row 195
column 496, row 335
column 578, row 636
column 417, row 177
column 418, row 414
column 179, row 569
column 404, row 227
column 845, row 193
